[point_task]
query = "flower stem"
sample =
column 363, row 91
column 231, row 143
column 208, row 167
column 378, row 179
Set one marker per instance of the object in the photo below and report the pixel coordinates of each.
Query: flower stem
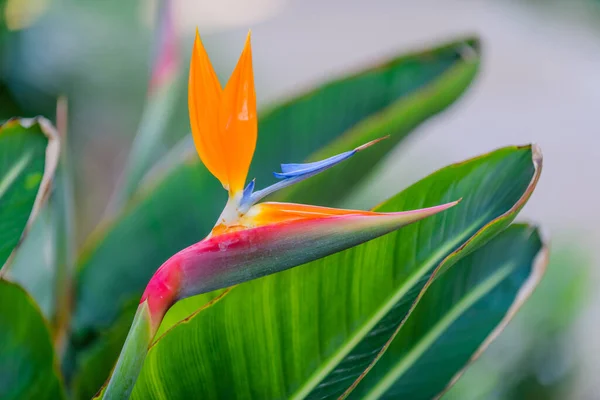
column 132, row 356
column 159, row 296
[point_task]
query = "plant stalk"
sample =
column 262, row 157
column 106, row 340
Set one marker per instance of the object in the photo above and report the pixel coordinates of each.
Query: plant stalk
column 160, row 294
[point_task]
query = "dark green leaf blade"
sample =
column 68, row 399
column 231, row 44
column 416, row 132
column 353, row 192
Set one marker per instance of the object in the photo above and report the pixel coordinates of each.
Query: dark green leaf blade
column 28, row 368
column 539, row 339
column 457, row 317
column 362, row 356
column 290, row 335
column 28, row 156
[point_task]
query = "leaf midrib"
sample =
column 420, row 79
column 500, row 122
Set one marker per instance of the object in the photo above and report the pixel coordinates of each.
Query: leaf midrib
column 322, row 372
column 437, row 330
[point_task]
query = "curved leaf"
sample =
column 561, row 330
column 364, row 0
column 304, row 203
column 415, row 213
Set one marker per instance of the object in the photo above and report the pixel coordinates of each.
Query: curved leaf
column 28, row 368
column 34, row 265
column 538, row 340
column 28, row 156
column 44, row 264
column 294, row 334
column 458, row 315
column 181, row 208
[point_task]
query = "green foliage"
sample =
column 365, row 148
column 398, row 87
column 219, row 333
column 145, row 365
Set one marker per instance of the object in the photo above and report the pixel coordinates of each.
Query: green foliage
column 28, row 151
column 28, row 154
column 28, row 368
column 181, row 208
column 458, row 312
column 533, row 357
column 23, row 151
column 318, row 337
column 373, row 318
column 34, row 266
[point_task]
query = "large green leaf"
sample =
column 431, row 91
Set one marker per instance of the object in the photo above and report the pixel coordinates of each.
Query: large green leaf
column 28, row 368
column 533, row 356
column 459, row 314
column 294, row 334
column 181, row 208
column 28, row 156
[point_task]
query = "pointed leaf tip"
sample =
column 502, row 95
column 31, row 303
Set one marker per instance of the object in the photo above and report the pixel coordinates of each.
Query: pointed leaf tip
column 371, row 143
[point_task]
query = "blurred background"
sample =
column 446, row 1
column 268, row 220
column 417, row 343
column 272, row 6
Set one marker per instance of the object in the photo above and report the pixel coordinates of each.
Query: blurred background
column 539, row 82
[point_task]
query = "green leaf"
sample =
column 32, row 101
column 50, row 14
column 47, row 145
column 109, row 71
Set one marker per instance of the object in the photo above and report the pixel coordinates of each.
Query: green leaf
column 293, row 334
column 28, row 156
column 34, row 265
column 457, row 317
column 535, row 350
column 28, row 368
column 180, row 209
column 45, row 262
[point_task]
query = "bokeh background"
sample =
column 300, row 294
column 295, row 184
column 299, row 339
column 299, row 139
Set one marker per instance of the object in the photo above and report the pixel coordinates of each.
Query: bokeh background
column 539, row 82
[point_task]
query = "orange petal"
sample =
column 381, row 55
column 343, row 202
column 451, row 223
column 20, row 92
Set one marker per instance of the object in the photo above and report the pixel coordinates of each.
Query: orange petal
column 272, row 213
column 238, row 120
column 204, row 99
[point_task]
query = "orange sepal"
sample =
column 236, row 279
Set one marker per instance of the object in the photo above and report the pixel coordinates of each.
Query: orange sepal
column 223, row 122
column 204, row 99
column 238, row 119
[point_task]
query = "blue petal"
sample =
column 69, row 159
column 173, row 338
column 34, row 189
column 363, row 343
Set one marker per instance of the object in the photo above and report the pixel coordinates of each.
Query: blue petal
column 247, row 193
column 249, row 189
column 292, row 170
column 294, row 173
